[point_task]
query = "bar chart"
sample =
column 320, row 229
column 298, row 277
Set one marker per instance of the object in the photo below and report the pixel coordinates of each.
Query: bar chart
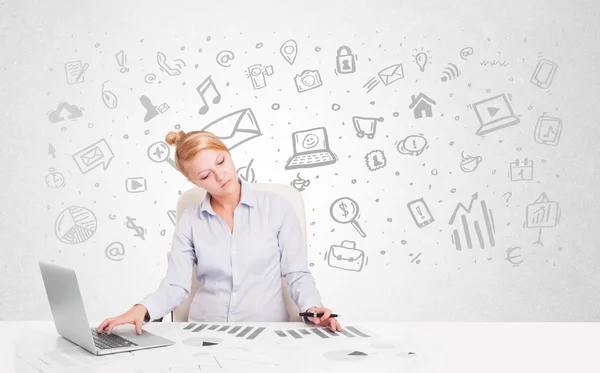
column 239, row 331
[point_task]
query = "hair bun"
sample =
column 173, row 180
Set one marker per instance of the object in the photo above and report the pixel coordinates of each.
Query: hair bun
column 173, row 138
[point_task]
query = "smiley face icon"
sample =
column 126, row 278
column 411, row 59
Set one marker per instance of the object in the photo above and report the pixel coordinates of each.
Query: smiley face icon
column 310, row 141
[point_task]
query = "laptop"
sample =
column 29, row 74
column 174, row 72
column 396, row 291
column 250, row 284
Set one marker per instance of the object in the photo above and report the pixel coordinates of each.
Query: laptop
column 311, row 149
column 494, row 113
column 71, row 320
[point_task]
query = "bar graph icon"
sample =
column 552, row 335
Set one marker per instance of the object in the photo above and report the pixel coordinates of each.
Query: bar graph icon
column 469, row 224
column 229, row 329
column 322, row 333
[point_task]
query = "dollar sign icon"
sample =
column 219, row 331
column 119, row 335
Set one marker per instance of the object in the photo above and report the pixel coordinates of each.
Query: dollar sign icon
column 343, row 207
column 139, row 231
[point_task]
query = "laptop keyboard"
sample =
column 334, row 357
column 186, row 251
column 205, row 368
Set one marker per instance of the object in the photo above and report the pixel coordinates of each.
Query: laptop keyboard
column 107, row 341
column 311, row 158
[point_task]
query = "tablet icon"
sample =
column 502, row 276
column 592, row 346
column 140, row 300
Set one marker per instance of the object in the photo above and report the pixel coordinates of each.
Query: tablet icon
column 547, row 130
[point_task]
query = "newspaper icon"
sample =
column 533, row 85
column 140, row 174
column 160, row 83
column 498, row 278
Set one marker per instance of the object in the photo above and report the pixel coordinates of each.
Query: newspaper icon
column 93, row 156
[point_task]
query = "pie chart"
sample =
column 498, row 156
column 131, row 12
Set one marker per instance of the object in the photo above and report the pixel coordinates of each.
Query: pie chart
column 345, row 355
column 75, row 225
column 202, row 341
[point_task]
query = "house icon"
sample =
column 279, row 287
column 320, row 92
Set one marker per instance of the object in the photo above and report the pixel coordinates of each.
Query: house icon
column 421, row 104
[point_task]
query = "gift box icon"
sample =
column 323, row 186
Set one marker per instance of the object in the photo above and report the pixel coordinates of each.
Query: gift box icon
column 346, row 256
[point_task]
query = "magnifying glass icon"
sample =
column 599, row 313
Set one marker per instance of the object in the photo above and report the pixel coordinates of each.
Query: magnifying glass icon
column 345, row 210
column 159, row 152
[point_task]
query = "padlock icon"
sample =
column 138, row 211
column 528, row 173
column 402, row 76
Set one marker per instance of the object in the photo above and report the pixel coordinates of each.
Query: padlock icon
column 345, row 62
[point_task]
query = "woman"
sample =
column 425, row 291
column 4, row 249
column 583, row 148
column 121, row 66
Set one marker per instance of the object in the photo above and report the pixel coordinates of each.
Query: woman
column 242, row 241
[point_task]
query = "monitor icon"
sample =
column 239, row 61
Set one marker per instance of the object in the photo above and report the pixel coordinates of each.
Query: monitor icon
column 494, row 113
column 311, row 149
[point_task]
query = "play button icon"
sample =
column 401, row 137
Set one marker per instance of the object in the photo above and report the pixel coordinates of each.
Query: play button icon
column 136, row 184
column 493, row 111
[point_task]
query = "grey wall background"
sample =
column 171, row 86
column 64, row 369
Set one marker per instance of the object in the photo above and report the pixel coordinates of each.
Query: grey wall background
column 516, row 279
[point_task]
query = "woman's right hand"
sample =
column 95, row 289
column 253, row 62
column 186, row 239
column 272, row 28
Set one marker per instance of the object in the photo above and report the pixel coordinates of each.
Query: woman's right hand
column 134, row 316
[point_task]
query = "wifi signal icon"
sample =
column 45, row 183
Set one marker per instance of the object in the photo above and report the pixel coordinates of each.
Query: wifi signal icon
column 450, row 72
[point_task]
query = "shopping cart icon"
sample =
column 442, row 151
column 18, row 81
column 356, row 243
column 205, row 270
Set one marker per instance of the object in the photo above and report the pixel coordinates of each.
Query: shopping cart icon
column 365, row 126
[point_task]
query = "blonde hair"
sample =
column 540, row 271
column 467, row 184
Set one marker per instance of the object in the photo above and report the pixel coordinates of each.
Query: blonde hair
column 189, row 144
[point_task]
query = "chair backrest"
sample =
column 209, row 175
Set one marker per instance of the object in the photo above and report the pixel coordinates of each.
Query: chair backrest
column 195, row 196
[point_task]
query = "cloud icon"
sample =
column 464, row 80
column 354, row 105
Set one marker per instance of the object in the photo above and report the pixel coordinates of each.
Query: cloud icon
column 64, row 110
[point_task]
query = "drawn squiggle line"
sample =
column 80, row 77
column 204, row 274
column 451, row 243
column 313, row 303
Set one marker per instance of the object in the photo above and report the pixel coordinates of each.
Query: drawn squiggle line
column 494, row 63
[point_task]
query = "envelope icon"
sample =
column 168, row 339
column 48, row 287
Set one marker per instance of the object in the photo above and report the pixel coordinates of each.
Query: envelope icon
column 236, row 128
column 92, row 156
column 391, row 74
column 346, row 256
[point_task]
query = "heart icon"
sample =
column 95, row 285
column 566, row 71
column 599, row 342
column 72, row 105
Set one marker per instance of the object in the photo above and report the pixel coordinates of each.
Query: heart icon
column 493, row 110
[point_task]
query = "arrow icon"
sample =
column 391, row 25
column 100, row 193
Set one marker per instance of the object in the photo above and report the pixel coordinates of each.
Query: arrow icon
column 51, row 150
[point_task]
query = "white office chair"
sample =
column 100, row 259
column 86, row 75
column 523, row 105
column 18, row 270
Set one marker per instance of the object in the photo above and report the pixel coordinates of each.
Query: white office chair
column 195, row 196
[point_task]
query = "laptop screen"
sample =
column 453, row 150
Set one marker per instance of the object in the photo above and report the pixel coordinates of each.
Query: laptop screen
column 313, row 140
column 493, row 109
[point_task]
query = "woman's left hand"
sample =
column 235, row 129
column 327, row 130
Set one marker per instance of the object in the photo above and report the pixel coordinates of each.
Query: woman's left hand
column 324, row 320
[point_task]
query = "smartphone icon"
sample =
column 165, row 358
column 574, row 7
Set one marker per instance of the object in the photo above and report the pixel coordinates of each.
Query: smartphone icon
column 544, row 73
column 420, row 212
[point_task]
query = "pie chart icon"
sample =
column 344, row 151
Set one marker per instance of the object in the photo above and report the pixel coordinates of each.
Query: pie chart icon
column 75, row 224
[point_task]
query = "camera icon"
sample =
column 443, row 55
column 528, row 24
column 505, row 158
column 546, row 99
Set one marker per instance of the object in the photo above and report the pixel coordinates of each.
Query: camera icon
column 309, row 79
column 257, row 75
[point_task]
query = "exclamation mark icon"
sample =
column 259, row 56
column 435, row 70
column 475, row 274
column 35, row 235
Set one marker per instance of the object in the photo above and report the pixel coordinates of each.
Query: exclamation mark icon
column 122, row 60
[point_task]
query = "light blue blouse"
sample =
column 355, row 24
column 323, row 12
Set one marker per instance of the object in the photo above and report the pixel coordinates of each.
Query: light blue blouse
column 240, row 272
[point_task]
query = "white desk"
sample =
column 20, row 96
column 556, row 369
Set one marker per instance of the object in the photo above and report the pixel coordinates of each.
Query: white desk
column 439, row 347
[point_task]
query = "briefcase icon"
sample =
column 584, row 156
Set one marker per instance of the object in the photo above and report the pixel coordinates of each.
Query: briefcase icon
column 346, row 256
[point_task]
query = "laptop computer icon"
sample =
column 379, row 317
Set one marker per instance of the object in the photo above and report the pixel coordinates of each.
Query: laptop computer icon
column 494, row 113
column 311, row 149
column 71, row 320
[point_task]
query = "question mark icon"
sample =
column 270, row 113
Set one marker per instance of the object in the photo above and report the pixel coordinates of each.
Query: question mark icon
column 509, row 195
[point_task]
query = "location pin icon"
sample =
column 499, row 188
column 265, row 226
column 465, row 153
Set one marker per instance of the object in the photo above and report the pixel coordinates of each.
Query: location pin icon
column 288, row 50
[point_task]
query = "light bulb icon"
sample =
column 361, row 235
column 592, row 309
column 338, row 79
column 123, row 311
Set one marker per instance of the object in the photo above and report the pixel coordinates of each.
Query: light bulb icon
column 421, row 59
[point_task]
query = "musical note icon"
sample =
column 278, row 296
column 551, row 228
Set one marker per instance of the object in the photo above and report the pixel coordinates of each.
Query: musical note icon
column 547, row 130
column 202, row 88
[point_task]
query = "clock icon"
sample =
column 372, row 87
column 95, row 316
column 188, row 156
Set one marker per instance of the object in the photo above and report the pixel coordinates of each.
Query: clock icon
column 55, row 179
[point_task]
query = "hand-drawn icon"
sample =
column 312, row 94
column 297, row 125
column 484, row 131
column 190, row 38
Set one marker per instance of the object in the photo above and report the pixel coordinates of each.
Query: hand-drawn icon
column 311, row 149
column 235, row 128
column 492, row 63
column 172, row 214
column 307, row 80
column 51, row 151
column 345, row 210
column 151, row 110
column 521, row 171
column 511, row 257
column 75, row 70
column 412, row 145
column 110, row 99
column 289, row 50
column 544, row 73
column 468, row 163
column 224, row 57
column 375, row 160
column 542, row 214
column 420, row 212
column 159, row 152
column 345, row 61
column 450, row 72
column 547, row 130
column 422, row 59
column 75, row 224
column 99, row 153
column 494, row 113
column 416, row 258
column 346, row 256
column 299, row 183
column 173, row 69
column 135, row 184
column 391, row 74
column 139, row 231
column 115, row 251
column 112, row 216
column 150, row 78
column 246, row 173
column 202, row 88
column 464, row 224
column 64, row 111
column 421, row 104
column 507, row 198
column 365, row 126
column 466, row 52
column 257, row 74
column 121, row 58
column 55, row 179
